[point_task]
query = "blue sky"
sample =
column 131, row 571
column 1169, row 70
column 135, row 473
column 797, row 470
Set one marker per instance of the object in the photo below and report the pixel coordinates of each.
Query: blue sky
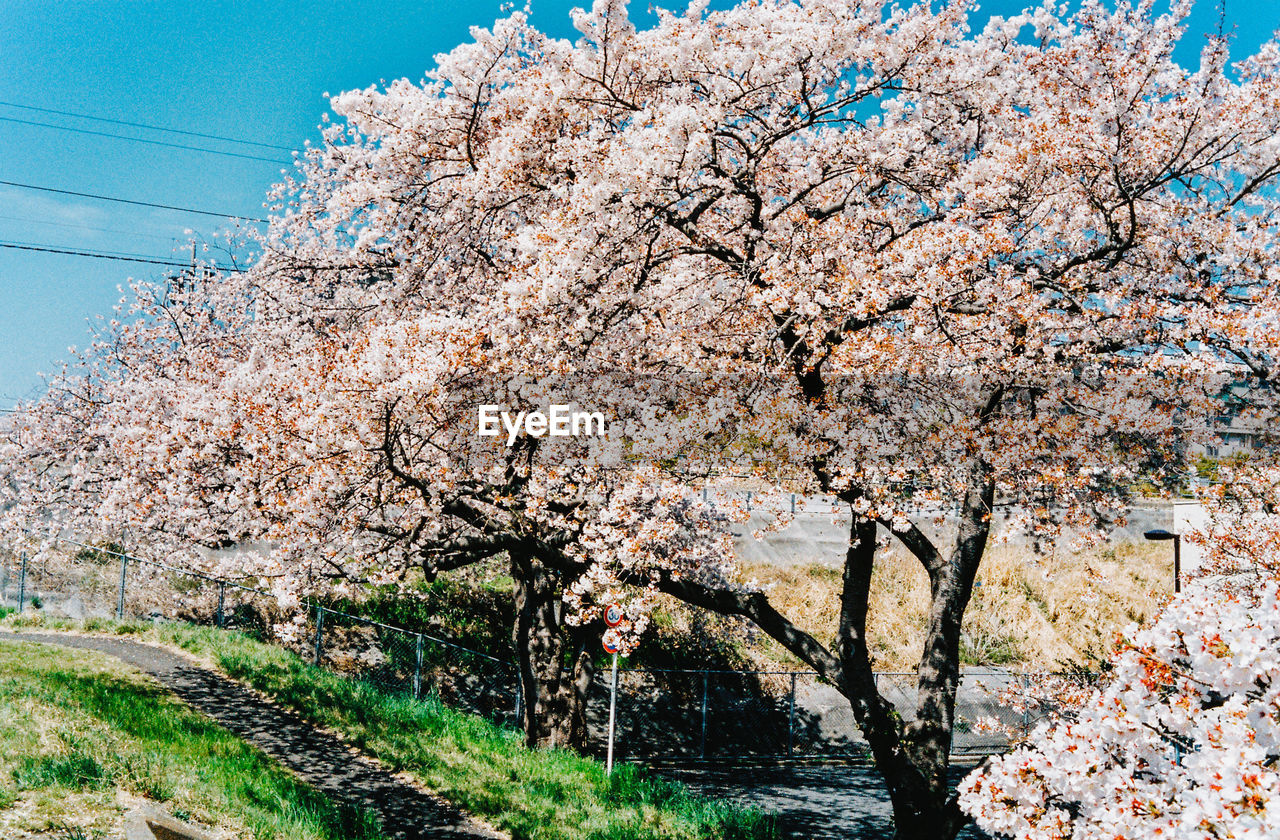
column 250, row 70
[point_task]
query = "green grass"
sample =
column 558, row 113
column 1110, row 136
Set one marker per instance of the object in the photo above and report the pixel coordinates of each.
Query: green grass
column 483, row 768
column 80, row 732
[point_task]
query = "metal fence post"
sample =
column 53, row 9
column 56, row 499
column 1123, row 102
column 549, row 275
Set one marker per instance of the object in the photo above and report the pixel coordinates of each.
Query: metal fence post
column 791, row 717
column 22, row 583
column 319, row 633
column 1026, row 706
column 519, row 711
column 124, row 571
column 222, row 596
column 703, row 749
column 417, row 669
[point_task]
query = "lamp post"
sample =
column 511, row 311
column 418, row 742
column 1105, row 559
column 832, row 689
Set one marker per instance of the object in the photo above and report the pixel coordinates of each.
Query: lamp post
column 1161, row 534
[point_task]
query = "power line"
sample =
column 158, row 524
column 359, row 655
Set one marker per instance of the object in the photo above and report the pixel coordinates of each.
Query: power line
column 29, row 221
column 94, row 250
column 100, row 255
column 131, row 201
column 142, row 140
column 147, row 126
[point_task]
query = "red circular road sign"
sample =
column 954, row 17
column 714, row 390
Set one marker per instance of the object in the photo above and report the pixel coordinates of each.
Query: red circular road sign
column 611, row 642
column 613, row 615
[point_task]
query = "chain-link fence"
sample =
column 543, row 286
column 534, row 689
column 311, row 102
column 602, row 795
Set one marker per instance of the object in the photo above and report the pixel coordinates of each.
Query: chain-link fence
column 10, row 573
column 661, row 714
column 96, row 582
column 682, row 714
column 401, row 661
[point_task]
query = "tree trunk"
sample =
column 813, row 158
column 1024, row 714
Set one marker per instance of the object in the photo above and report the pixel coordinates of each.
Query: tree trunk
column 554, row 660
column 917, row 808
column 916, row 769
column 921, row 806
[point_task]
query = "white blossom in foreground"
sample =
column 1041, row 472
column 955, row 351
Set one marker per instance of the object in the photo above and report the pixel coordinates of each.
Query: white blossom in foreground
column 1183, row 742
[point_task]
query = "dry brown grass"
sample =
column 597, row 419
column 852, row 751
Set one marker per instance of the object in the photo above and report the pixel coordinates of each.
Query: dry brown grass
column 1037, row 612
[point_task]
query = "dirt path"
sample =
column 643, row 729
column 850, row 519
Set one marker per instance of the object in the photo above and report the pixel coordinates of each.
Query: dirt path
column 319, row 759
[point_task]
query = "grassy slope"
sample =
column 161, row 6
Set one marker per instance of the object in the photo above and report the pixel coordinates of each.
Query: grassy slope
column 540, row 795
column 82, row 734
column 1037, row 612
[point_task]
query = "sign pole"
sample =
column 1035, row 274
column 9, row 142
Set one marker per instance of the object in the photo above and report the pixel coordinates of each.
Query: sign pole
column 22, row 583
column 613, row 706
column 612, row 642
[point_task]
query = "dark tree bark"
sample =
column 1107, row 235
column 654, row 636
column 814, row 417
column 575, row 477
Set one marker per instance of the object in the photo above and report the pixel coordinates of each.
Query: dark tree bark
column 554, row 660
column 928, row 809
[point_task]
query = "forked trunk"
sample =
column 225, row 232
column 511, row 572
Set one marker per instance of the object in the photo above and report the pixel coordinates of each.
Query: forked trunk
column 913, row 757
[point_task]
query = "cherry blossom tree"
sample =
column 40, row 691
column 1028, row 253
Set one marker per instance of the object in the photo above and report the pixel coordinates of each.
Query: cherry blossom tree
column 1180, row 740
column 254, row 409
column 208, row 420
column 1240, row 539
